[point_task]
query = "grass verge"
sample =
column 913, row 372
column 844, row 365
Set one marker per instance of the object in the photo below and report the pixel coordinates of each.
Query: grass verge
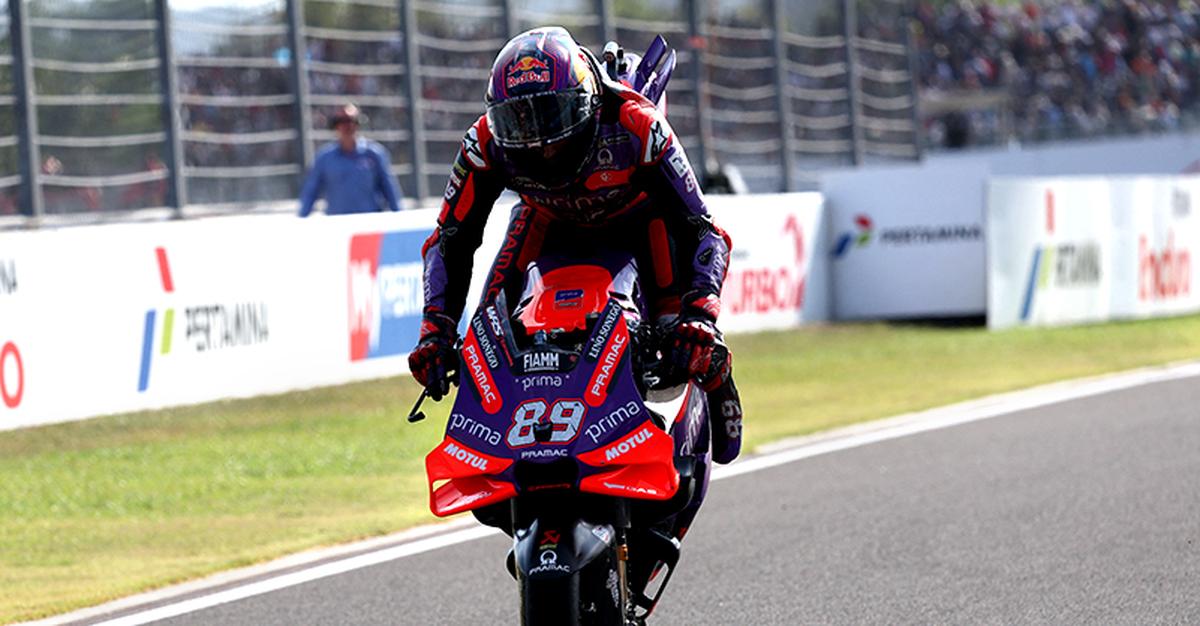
column 92, row 511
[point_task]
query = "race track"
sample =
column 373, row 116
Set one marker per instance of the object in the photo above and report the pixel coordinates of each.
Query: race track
column 1085, row 511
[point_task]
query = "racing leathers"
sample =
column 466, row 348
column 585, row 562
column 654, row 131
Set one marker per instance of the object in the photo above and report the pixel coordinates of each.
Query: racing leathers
column 635, row 190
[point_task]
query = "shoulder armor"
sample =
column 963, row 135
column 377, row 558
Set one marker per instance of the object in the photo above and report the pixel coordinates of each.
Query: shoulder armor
column 476, row 143
column 647, row 123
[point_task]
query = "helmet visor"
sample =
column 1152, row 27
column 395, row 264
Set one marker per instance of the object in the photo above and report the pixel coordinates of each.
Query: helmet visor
column 539, row 118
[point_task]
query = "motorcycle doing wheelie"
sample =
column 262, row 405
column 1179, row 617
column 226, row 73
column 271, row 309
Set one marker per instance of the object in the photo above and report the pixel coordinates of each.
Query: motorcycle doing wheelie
column 568, row 433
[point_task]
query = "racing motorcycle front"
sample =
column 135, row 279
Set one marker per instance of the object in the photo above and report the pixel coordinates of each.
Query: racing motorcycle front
column 566, row 434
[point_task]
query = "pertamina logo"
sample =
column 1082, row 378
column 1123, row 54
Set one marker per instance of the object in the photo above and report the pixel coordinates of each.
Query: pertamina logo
column 386, row 297
column 864, row 228
column 207, row 327
column 897, row 236
column 1064, row 265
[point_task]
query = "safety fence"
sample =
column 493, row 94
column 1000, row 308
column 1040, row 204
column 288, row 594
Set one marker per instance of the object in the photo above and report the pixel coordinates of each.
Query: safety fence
column 122, row 105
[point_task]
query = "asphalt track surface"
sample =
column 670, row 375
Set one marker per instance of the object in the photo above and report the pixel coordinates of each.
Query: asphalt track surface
column 1085, row 511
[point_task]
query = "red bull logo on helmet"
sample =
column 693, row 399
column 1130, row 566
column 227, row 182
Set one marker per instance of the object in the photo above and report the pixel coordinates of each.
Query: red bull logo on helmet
column 527, row 70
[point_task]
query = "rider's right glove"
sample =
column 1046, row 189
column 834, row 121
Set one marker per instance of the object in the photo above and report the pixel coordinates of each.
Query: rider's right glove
column 434, row 361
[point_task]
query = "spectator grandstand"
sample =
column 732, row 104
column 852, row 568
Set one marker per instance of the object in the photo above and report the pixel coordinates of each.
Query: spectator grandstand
column 1070, row 68
column 118, row 105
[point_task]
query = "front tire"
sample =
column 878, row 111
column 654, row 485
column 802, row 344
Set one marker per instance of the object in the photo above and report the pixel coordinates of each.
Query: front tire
column 591, row 597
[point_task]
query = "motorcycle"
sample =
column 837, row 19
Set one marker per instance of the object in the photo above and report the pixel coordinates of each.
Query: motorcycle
column 570, row 433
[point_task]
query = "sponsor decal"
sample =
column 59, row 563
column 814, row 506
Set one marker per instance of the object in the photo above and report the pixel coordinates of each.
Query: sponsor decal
column 485, row 343
column 527, row 70
column 683, row 169
column 568, row 298
column 549, row 540
column 465, row 457
column 489, row 394
column 12, row 375
column 549, row 563
column 8, row 277
column 657, row 142
column 1067, row 265
column 473, row 498
column 474, row 428
column 508, row 252
column 1164, row 274
column 494, row 320
column 541, row 381
column 602, row 533
column 605, row 371
column 647, row 491
column 770, row 289
column 1181, row 203
column 541, row 361
column 544, row 453
column 596, row 344
column 217, row 327
column 207, row 327
column 601, row 427
column 863, row 234
column 472, row 149
column 627, row 445
column 386, row 294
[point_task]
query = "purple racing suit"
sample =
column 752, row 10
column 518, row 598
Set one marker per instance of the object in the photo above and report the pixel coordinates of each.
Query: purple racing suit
column 636, row 189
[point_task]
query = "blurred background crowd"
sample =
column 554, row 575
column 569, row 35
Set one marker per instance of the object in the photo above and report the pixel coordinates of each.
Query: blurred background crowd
column 1068, row 68
column 781, row 89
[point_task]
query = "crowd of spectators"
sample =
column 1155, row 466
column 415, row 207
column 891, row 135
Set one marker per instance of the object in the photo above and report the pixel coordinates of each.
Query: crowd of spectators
column 1067, row 68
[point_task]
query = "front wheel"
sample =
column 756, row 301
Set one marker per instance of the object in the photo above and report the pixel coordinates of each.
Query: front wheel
column 589, row 597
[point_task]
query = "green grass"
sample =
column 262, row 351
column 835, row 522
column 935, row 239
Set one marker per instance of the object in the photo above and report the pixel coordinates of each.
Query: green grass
column 92, row 511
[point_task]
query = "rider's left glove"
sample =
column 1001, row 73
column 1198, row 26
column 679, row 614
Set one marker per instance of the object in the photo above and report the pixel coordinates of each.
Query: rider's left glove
column 434, row 362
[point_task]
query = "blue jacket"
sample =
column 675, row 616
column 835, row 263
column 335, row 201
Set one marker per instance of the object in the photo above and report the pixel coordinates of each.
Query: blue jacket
column 357, row 182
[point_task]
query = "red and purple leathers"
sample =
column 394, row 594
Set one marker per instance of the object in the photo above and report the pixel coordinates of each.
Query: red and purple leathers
column 635, row 189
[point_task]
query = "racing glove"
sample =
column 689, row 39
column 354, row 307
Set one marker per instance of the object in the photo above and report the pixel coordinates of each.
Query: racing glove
column 692, row 340
column 434, row 362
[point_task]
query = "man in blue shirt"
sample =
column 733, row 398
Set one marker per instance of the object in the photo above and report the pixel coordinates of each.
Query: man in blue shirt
column 353, row 173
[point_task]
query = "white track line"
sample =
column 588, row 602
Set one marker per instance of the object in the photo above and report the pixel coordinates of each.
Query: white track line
column 786, row 452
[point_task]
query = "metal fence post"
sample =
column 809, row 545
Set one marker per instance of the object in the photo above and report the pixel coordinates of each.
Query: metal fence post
column 697, row 42
column 608, row 27
column 511, row 23
column 169, row 83
column 853, row 83
column 416, row 118
column 299, row 80
column 783, row 100
column 913, row 77
column 26, row 109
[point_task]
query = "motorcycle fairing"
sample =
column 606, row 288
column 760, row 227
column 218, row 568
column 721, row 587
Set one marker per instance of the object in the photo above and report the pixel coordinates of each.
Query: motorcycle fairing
column 618, row 450
column 466, row 474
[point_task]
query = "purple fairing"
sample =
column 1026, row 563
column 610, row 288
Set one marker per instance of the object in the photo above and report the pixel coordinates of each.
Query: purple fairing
column 530, row 381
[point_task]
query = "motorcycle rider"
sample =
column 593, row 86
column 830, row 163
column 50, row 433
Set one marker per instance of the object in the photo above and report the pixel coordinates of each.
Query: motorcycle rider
column 594, row 164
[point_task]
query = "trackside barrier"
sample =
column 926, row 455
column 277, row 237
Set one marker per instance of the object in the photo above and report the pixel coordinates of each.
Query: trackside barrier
column 97, row 320
column 1069, row 250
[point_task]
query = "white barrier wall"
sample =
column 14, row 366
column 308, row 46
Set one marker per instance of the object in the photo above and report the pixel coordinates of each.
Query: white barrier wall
column 1068, row 250
column 106, row 319
column 907, row 241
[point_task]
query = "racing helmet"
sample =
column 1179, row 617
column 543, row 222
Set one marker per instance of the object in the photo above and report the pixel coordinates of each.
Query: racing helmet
column 543, row 100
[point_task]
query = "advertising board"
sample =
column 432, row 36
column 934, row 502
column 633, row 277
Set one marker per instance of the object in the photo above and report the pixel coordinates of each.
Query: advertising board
column 106, row 319
column 907, row 242
column 1071, row 250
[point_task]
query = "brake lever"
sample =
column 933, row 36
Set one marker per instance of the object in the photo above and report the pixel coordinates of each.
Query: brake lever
column 416, row 415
